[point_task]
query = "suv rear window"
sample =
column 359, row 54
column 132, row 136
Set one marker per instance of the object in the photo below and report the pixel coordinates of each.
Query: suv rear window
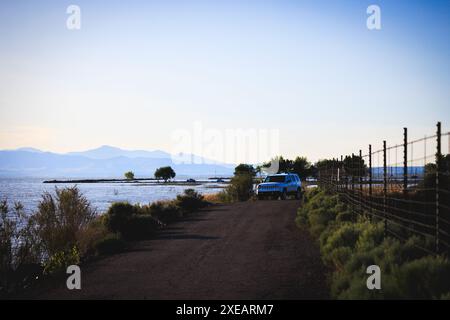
column 275, row 179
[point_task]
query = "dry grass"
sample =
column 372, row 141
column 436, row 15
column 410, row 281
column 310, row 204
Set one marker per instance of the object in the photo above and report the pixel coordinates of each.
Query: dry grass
column 377, row 190
column 214, row 197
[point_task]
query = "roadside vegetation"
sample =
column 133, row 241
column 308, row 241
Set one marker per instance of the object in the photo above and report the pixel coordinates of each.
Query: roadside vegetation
column 66, row 230
column 240, row 187
column 350, row 243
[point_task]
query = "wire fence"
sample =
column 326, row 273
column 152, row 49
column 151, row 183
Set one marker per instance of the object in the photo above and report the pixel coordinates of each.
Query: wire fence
column 406, row 186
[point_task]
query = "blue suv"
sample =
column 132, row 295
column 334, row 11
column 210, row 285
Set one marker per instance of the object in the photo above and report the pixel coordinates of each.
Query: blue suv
column 280, row 186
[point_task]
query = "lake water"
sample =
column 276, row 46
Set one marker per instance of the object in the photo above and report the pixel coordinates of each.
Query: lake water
column 29, row 191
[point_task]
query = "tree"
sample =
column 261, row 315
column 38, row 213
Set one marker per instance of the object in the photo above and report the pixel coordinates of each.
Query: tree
column 302, row 167
column 165, row 173
column 129, row 175
column 354, row 166
column 284, row 165
column 245, row 169
column 429, row 180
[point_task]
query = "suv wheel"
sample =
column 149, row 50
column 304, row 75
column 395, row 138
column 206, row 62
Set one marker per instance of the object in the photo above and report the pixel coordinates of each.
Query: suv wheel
column 298, row 194
column 283, row 195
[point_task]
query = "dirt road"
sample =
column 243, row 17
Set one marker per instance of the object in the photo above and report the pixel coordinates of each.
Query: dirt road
column 248, row 250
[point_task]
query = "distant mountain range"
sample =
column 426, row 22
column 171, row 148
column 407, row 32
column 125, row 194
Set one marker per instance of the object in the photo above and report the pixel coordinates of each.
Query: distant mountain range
column 105, row 161
column 108, row 152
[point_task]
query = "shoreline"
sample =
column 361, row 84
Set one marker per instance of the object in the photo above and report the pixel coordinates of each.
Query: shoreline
column 151, row 181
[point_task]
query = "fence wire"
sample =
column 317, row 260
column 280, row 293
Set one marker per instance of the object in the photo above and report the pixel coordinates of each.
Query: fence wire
column 405, row 185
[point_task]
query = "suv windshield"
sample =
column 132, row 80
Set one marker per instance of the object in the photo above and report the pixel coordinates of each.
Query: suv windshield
column 275, row 179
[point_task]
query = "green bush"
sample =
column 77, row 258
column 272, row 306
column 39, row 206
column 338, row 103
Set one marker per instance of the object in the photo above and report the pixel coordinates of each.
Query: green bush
column 350, row 246
column 164, row 211
column 19, row 248
column 59, row 261
column 130, row 221
column 372, row 235
column 319, row 220
column 141, row 226
column 345, row 236
column 88, row 237
column 240, row 187
column 318, row 211
column 111, row 243
column 119, row 215
column 190, row 200
column 61, row 219
column 428, row 277
column 345, row 216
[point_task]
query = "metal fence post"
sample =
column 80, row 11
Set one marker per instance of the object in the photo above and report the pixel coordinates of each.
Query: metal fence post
column 370, row 180
column 342, row 172
column 438, row 161
column 405, row 160
column 370, row 170
column 346, row 178
column 360, row 181
column 384, row 187
column 353, row 183
column 339, row 177
column 353, row 174
column 332, row 176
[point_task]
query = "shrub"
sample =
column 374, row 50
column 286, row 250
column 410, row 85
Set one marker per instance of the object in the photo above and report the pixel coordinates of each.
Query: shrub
column 19, row 251
column 340, row 256
column 61, row 219
column 119, row 215
column 88, row 238
column 141, row 226
column 111, row 243
column 345, row 236
column 60, row 260
column 240, row 187
column 428, row 277
column 319, row 219
column 349, row 247
column 371, row 236
column 164, row 211
column 302, row 218
column 345, row 216
column 131, row 221
column 414, row 278
column 190, row 200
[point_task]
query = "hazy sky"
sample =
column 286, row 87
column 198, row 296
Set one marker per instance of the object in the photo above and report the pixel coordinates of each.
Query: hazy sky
column 137, row 71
